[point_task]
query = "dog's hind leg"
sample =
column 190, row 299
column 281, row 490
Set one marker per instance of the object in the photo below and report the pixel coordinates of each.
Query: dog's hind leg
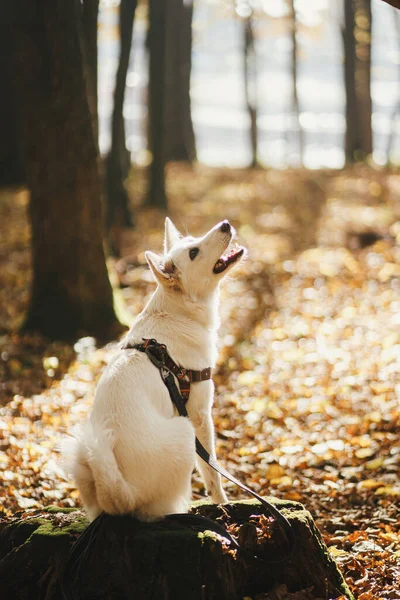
column 90, row 459
column 174, row 467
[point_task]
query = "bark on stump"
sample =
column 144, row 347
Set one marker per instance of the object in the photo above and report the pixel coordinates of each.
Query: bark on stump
column 142, row 561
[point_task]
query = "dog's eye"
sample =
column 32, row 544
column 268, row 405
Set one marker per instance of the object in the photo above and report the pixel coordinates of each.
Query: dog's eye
column 193, row 252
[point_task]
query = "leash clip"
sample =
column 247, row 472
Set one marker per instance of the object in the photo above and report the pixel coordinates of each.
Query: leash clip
column 164, row 372
column 156, row 352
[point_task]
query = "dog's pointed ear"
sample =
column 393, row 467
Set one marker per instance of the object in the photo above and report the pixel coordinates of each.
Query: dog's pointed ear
column 164, row 272
column 171, row 235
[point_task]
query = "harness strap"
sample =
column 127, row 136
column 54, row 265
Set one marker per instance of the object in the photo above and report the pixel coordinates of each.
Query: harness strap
column 168, row 379
column 185, row 376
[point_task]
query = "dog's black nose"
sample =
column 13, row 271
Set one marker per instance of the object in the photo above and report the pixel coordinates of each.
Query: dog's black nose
column 225, row 227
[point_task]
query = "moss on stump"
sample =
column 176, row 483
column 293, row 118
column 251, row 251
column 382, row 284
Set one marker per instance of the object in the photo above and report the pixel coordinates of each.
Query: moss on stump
column 163, row 561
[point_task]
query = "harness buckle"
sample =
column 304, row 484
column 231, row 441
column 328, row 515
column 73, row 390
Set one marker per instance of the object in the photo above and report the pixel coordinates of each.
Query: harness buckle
column 181, row 373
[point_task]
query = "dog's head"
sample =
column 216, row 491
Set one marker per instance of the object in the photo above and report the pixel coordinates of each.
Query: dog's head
column 195, row 266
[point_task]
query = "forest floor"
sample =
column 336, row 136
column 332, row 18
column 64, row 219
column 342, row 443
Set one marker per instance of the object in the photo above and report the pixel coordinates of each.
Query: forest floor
column 308, row 378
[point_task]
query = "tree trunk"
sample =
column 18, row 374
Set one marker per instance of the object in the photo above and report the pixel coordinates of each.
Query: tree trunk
column 71, row 292
column 396, row 110
column 11, row 169
column 118, row 161
column 90, row 10
column 156, row 39
column 295, row 96
column 250, row 84
column 164, row 561
column 357, row 77
column 351, row 136
column 363, row 73
column 179, row 133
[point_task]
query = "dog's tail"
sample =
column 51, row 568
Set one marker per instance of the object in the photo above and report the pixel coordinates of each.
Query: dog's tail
column 89, row 457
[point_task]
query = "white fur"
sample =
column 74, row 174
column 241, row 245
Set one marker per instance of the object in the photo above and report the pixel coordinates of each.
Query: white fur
column 135, row 454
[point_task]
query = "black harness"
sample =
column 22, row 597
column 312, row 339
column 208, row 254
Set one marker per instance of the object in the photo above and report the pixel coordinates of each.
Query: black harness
column 158, row 355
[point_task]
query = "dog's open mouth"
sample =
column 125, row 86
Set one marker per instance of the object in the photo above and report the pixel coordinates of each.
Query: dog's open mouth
column 224, row 261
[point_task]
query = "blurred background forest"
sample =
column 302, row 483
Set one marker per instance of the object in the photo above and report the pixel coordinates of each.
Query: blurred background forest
column 219, row 108
column 225, row 84
column 282, row 116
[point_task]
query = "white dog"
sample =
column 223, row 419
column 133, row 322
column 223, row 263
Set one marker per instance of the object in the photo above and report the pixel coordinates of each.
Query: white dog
column 134, row 454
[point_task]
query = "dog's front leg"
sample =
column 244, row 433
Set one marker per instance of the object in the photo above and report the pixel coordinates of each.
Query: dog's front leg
column 205, row 433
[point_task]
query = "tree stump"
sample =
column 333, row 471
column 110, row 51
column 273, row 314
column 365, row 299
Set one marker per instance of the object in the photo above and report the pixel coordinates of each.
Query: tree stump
column 129, row 559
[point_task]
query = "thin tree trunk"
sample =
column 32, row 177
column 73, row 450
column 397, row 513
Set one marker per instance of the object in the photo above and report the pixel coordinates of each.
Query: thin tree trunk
column 363, row 78
column 396, row 109
column 90, row 10
column 179, row 133
column 357, row 76
column 250, row 84
column 294, row 68
column 71, row 292
column 119, row 159
column 157, row 37
column 351, row 136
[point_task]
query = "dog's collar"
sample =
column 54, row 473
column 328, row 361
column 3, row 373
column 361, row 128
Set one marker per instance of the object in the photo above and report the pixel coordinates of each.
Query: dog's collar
column 160, row 358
